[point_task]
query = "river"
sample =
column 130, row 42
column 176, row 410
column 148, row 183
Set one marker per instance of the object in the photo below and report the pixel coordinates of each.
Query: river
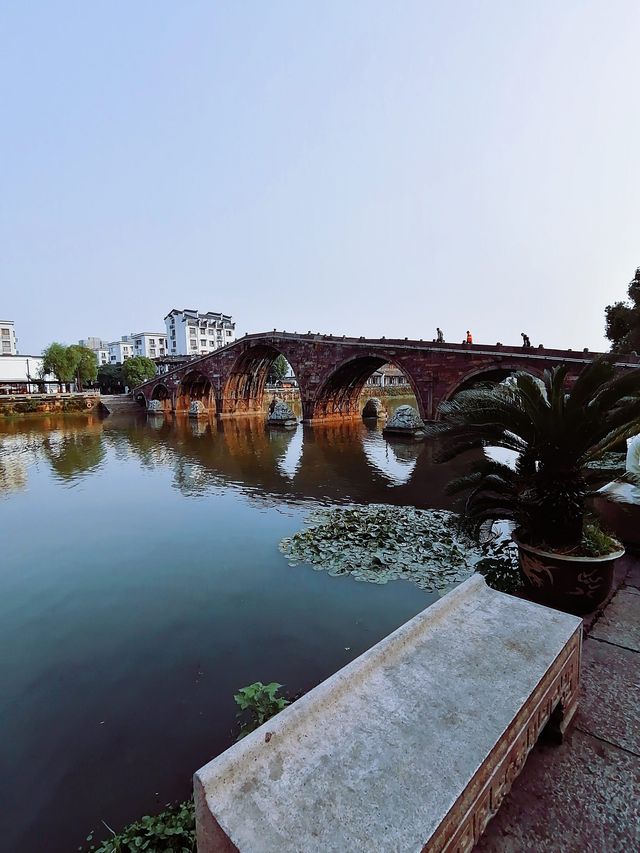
column 142, row 585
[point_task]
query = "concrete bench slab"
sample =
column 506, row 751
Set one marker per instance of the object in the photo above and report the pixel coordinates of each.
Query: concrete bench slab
column 411, row 746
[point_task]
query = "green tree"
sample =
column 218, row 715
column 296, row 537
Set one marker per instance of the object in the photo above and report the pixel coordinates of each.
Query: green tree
column 86, row 368
column 110, row 379
column 61, row 361
column 623, row 320
column 278, row 369
column 555, row 430
column 137, row 370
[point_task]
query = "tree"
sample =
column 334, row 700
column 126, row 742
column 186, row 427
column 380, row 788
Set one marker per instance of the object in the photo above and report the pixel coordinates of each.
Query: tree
column 278, row 369
column 61, row 361
column 110, row 379
column 556, row 431
column 137, row 370
column 623, row 320
column 86, row 368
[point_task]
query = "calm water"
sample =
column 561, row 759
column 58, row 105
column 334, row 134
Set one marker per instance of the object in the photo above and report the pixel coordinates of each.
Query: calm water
column 142, row 585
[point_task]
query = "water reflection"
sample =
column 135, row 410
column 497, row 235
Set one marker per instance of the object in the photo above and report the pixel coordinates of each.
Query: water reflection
column 289, row 462
column 395, row 460
column 337, row 462
column 155, row 589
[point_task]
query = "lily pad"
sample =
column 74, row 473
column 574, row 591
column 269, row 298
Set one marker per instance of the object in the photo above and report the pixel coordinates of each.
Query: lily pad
column 379, row 543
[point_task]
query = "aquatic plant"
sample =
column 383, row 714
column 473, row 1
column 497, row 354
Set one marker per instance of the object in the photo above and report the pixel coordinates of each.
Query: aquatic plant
column 258, row 702
column 379, row 543
column 171, row 831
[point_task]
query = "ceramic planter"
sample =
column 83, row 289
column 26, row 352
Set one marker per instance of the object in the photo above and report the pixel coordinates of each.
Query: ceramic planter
column 574, row 584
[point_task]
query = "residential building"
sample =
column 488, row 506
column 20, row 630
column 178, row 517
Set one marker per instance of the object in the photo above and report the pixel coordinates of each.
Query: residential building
column 191, row 333
column 388, row 376
column 149, row 344
column 22, row 374
column 120, row 351
column 94, row 343
column 99, row 346
column 8, row 340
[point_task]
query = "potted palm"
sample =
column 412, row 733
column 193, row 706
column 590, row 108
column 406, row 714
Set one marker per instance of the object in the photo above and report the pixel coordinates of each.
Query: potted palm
column 555, row 431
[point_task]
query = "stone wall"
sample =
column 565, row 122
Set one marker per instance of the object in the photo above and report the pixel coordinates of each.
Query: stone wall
column 40, row 404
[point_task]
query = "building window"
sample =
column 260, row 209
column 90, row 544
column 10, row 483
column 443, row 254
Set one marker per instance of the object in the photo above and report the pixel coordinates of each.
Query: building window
column 192, row 331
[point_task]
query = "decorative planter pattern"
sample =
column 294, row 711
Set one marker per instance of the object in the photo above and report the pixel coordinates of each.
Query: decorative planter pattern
column 574, row 584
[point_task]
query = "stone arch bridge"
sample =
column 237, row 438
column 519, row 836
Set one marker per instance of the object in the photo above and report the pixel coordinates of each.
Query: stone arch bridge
column 332, row 371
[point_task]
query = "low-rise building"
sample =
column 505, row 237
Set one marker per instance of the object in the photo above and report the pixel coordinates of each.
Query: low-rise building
column 23, row 374
column 8, row 340
column 99, row 347
column 191, row 333
column 149, row 344
column 388, row 376
column 120, row 351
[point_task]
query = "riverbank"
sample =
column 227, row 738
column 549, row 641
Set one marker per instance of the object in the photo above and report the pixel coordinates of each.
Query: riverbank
column 20, row 405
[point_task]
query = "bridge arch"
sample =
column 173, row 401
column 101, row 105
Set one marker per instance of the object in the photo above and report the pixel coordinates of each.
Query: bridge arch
column 163, row 395
column 244, row 388
column 339, row 394
column 193, row 386
column 487, row 373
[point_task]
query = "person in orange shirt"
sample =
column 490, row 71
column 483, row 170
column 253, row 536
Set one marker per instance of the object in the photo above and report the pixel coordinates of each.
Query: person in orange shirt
column 469, row 337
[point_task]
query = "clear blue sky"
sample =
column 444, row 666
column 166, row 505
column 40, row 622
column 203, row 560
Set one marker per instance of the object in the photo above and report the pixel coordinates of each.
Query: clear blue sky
column 347, row 167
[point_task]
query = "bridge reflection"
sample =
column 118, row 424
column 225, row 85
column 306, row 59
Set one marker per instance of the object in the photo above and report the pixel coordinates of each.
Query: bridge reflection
column 343, row 462
column 340, row 462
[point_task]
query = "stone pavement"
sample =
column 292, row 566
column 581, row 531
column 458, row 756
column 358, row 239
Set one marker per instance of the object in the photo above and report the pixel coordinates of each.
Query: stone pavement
column 584, row 796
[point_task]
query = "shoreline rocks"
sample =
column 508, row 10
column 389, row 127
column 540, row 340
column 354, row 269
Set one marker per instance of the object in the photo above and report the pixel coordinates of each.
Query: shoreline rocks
column 373, row 408
column 405, row 422
column 282, row 415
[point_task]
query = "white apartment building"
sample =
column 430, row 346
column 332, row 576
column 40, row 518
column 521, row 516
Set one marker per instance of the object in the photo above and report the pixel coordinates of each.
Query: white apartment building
column 149, row 344
column 99, row 347
column 8, row 341
column 120, row 351
column 193, row 334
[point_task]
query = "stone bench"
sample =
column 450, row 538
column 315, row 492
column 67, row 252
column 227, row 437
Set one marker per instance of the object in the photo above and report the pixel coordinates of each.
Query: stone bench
column 411, row 746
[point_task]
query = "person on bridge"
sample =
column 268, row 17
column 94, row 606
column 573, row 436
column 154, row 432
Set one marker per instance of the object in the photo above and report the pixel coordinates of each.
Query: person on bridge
column 440, row 336
column 469, row 337
column 526, row 343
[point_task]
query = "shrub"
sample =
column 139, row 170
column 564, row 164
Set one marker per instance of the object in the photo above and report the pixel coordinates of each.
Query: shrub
column 171, row 831
column 258, row 702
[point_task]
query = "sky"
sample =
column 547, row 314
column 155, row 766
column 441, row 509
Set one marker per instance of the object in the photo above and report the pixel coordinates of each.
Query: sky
column 360, row 168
